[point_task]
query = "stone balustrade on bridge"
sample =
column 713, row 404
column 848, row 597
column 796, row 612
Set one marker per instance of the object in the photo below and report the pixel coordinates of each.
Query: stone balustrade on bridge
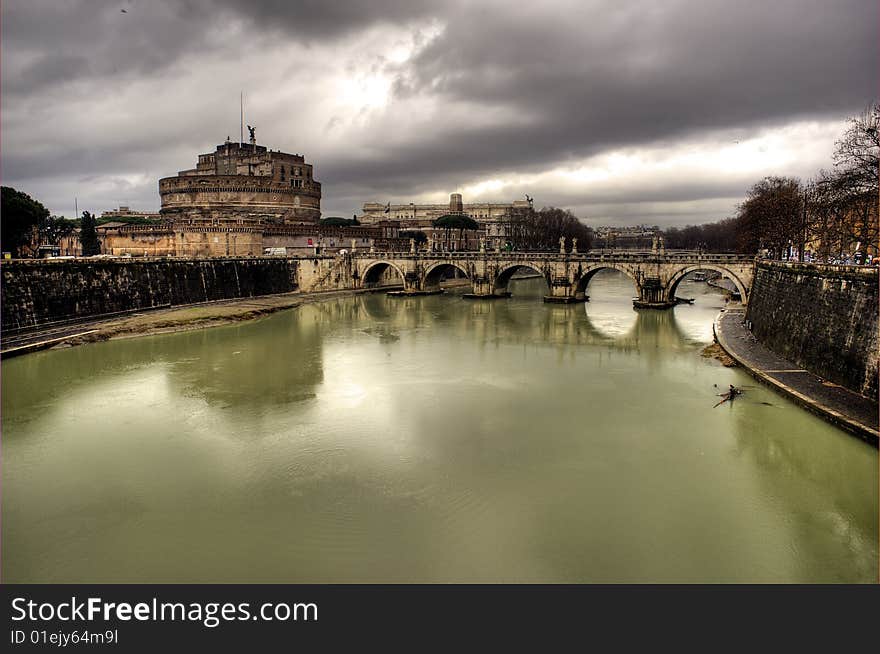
column 655, row 275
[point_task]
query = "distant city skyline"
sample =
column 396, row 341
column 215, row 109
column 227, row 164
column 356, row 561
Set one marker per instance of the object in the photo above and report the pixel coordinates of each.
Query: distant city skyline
column 626, row 113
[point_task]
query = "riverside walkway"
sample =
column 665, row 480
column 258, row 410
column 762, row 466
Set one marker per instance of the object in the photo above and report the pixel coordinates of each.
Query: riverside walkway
column 853, row 412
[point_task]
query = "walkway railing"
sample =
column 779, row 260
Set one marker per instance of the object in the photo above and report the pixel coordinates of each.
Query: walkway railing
column 674, row 257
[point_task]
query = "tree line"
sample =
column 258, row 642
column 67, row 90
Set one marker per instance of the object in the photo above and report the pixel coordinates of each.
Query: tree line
column 25, row 223
column 527, row 229
column 832, row 217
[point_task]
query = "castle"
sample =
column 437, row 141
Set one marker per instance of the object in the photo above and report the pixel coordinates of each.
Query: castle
column 246, row 200
column 243, row 184
column 240, row 200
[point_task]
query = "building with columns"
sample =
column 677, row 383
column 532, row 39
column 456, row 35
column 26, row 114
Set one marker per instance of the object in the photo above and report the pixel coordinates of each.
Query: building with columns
column 491, row 216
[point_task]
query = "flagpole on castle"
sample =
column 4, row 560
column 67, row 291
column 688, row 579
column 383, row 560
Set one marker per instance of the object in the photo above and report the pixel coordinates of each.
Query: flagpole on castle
column 241, row 115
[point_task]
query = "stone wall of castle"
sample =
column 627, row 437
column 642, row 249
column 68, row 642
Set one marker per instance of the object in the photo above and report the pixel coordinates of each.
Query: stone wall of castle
column 236, row 240
column 218, row 242
column 243, row 183
column 139, row 241
column 235, row 198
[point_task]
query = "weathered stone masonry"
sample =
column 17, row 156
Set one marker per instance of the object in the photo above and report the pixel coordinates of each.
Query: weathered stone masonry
column 40, row 292
column 824, row 318
column 46, row 291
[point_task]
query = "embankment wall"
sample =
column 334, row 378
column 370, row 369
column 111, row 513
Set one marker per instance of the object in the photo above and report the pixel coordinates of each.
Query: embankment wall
column 36, row 293
column 824, row 318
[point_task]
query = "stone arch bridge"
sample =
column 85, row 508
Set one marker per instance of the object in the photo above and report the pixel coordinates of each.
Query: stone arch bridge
column 655, row 275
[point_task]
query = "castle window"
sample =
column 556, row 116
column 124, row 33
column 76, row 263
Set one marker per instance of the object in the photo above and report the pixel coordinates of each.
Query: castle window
column 282, row 173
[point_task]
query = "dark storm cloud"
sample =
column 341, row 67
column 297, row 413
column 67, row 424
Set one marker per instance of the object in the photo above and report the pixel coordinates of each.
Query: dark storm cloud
column 498, row 87
column 310, row 20
column 593, row 76
column 47, row 43
column 76, row 40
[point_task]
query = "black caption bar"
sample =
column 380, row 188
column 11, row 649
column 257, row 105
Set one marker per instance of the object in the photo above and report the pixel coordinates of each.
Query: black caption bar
column 250, row 617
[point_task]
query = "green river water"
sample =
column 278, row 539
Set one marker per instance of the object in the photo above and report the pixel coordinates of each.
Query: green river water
column 430, row 439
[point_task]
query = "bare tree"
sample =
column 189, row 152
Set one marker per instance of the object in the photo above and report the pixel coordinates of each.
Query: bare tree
column 719, row 236
column 771, row 218
column 858, row 152
column 842, row 203
column 527, row 229
column 856, row 160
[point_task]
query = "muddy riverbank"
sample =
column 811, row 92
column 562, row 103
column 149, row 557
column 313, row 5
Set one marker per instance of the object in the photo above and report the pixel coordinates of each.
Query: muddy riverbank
column 176, row 319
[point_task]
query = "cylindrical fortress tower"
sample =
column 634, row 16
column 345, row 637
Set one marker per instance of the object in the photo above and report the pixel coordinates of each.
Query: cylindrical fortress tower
column 243, row 183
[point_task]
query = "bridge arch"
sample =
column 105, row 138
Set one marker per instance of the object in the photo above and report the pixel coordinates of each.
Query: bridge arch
column 434, row 273
column 372, row 274
column 588, row 274
column 679, row 275
column 506, row 273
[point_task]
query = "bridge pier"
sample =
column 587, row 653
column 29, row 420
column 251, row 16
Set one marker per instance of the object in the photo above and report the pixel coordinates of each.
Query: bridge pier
column 484, row 281
column 653, row 295
column 566, row 299
column 486, row 296
column 413, row 285
column 484, row 289
column 413, row 293
column 563, row 291
column 638, row 303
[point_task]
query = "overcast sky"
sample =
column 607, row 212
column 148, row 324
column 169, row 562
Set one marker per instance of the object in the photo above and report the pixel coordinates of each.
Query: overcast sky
column 625, row 112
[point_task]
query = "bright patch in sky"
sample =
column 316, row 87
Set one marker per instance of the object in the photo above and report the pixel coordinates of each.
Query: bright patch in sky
column 366, row 91
column 633, row 175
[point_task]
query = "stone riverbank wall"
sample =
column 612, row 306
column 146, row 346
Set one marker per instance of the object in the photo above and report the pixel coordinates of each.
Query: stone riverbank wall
column 43, row 292
column 824, row 318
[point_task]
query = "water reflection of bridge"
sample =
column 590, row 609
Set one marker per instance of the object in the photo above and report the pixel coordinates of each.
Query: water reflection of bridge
column 518, row 322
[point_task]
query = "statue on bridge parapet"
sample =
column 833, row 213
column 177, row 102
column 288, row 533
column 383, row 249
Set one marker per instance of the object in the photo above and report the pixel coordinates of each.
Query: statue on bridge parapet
column 574, row 245
column 482, row 244
column 561, row 245
column 412, row 246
